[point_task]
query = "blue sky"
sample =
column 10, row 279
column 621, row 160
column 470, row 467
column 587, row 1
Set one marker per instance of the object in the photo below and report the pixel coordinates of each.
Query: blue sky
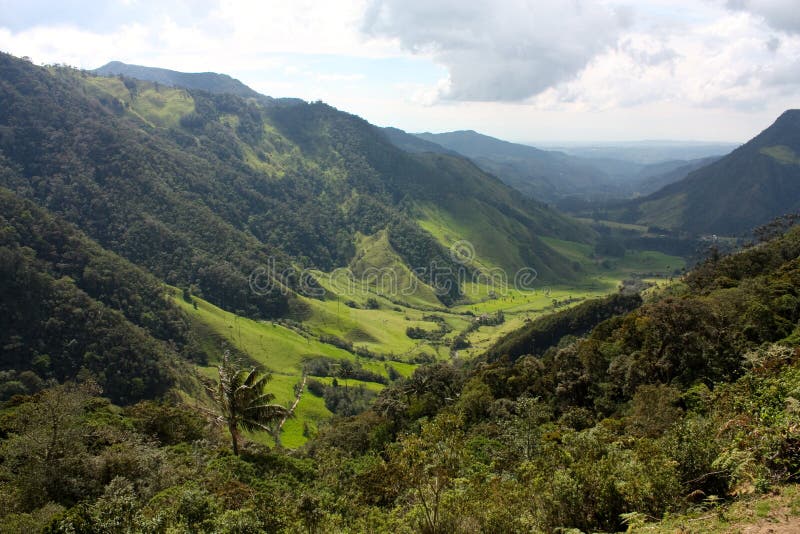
column 537, row 70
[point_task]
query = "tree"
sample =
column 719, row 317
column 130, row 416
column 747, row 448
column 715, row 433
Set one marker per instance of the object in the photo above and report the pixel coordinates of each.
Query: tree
column 428, row 464
column 243, row 401
column 45, row 453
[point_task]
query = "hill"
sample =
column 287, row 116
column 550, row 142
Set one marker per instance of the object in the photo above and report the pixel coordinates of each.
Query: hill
column 749, row 187
column 202, row 188
column 211, row 82
column 538, row 173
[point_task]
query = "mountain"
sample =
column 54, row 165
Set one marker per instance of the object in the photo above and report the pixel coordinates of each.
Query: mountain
column 571, row 176
column 211, row 82
column 659, row 175
column 749, row 187
column 538, row 173
column 67, row 306
column 201, row 188
column 414, row 143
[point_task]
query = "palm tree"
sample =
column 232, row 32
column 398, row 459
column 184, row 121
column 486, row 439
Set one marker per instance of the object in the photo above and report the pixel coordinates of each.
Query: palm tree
column 243, row 401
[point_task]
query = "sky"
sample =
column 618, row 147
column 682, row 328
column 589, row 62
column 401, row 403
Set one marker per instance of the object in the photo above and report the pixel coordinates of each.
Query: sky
column 541, row 71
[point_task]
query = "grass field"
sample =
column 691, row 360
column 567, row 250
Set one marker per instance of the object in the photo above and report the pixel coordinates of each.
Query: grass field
column 157, row 105
column 356, row 310
column 277, row 349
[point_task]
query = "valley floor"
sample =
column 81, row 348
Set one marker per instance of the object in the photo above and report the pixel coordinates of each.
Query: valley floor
column 356, row 322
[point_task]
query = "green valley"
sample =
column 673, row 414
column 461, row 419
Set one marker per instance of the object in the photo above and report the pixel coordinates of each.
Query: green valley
column 226, row 312
column 354, row 274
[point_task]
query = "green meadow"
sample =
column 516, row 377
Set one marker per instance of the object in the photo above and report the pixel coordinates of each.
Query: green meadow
column 364, row 320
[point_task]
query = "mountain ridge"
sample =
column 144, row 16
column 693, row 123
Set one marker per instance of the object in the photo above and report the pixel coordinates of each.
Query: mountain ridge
column 752, row 185
column 553, row 175
column 212, row 82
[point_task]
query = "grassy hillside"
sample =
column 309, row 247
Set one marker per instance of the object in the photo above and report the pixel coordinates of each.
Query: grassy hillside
column 274, row 348
column 358, row 320
column 383, row 271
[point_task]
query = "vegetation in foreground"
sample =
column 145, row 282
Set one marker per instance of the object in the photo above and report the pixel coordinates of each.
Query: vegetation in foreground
column 688, row 402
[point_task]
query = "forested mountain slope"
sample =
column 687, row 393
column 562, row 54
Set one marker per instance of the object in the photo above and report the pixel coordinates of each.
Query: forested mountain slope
column 202, row 188
column 749, row 187
column 69, row 307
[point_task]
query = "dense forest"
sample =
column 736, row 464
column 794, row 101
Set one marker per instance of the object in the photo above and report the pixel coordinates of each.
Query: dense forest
column 689, row 398
column 68, row 307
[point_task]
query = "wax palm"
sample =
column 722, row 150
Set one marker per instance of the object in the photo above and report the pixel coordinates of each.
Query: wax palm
column 244, row 403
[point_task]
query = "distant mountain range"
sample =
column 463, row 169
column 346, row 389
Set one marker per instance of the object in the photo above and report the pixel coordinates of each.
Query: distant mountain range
column 555, row 176
column 749, row 187
column 643, row 152
column 538, row 173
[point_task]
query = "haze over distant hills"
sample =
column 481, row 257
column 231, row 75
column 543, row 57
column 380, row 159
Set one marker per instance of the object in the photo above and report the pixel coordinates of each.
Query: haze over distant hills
column 578, row 173
column 645, row 152
column 749, row 187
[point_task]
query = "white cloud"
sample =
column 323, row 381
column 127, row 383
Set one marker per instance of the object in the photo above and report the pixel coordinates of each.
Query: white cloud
column 499, row 51
column 299, row 27
column 76, row 47
column 221, row 35
column 729, row 62
column 780, row 14
column 515, row 68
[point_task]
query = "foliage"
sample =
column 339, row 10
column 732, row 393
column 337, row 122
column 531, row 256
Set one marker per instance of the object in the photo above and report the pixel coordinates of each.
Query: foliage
column 243, row 402
column 545, row 332
column 675, row 406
